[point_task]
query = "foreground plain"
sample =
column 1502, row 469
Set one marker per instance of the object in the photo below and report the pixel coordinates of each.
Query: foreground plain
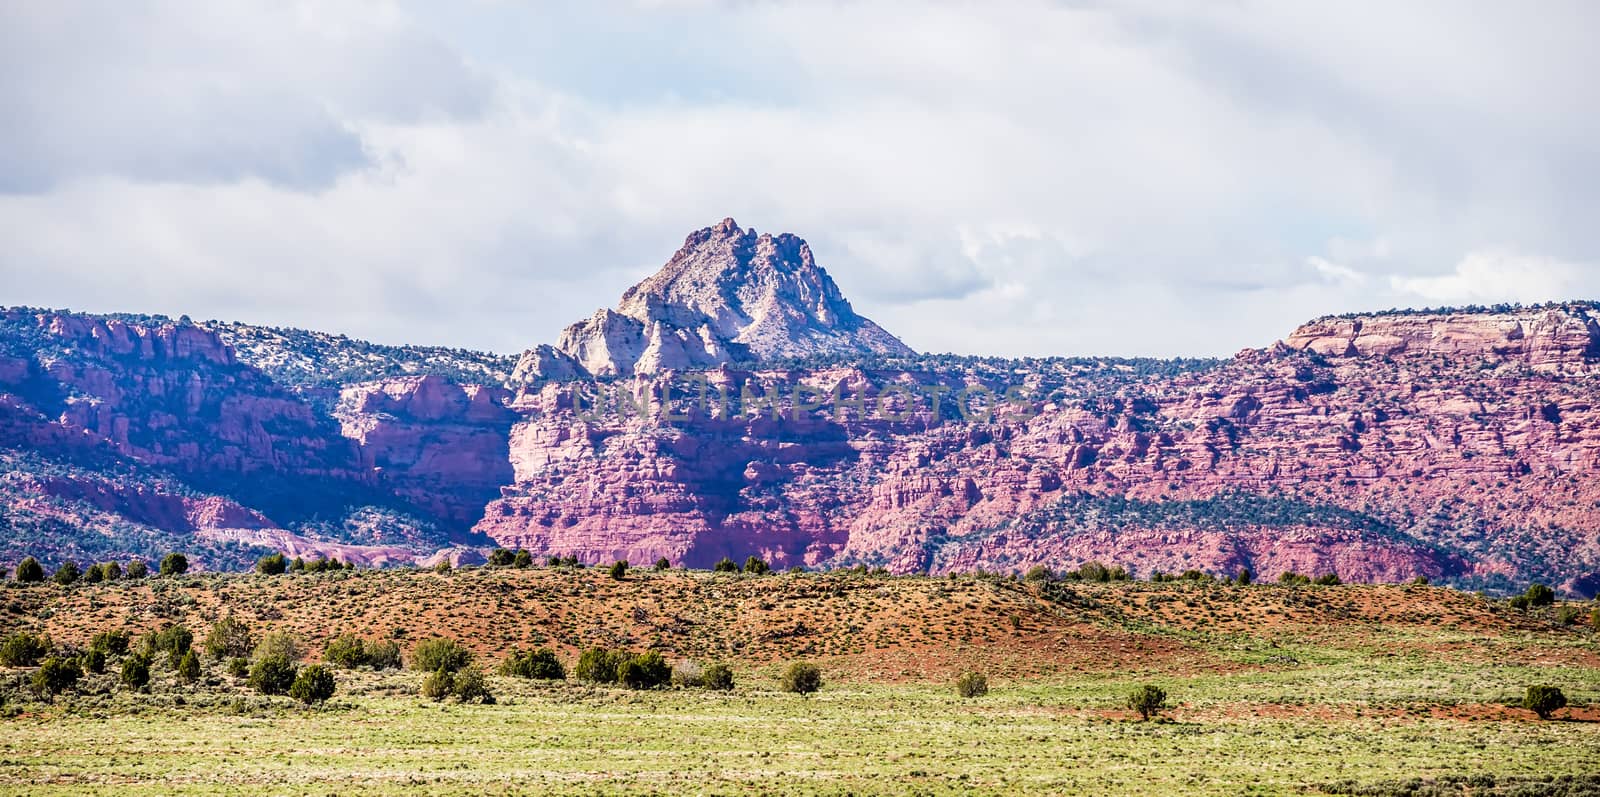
column 1276, row 690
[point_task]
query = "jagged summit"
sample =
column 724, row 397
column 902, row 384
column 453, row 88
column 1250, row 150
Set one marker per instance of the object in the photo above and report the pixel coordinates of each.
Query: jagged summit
column 728, row 295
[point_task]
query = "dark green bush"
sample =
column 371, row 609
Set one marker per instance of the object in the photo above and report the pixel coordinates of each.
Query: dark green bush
column 662, row 564
column 718, row 677
column 1245, row 576
column 313, row 684
column 757, row 566
column 113, row 643
column 384, row 655
column 239, row 667
column 1094, row 571
column 1544, row 700
column 346, row 650
column 279, row 644
column 522, row 559
column 1148, row 700
column 540, row 664
column 189, row 667
column 1328, row 580
column 440, row 653
column 136, row 671
column 470, row 684
column 501, row 557
column 619, row 569
column 439, row 685
column 802, row 678
column 726, row 565
column 272, row 675
column 173, row 640
column 138, row 569
column 647, row 670
column 598, row 665
column 174, row 564
column 972, row 684
column 23, row 649
column 93, row 660
column 67, row 573
column 1039, row 574
column 229, row 638
column 29, row 571
column 56, row 675
column 273, row 564
column 1540, row 595
column 1293, row 579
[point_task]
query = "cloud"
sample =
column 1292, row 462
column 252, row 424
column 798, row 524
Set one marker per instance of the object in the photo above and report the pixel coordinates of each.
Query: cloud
column 1334, row 272
column 1500, row 276
column 213, row 94
column 1013, row 178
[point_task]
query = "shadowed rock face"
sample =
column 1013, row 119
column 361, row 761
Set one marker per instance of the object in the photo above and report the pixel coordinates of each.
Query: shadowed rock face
column 729, row 295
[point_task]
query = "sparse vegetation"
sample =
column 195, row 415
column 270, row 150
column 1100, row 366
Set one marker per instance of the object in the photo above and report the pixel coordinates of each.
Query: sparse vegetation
column 1310, row 674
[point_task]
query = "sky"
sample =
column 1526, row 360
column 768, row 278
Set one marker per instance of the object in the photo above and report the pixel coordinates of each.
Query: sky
column 1005, row 178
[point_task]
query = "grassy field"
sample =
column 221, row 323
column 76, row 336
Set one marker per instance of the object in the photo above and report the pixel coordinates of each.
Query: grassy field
column 1275, row 691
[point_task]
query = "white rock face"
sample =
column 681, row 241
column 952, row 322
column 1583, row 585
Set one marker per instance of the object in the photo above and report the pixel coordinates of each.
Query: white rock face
column 545, row 362
column 729, row 295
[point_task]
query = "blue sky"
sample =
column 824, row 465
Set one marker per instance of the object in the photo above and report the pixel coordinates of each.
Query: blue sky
column 1021, row 178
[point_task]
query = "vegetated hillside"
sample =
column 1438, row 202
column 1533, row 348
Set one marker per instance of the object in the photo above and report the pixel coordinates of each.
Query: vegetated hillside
column 859, row 626
column 306, row 359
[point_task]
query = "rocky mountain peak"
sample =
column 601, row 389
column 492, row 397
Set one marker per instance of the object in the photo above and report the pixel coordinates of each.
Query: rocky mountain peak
column 728, row 295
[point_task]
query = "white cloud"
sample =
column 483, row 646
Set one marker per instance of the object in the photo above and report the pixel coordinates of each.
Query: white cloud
column 1335, row 272
column 1500, row 276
